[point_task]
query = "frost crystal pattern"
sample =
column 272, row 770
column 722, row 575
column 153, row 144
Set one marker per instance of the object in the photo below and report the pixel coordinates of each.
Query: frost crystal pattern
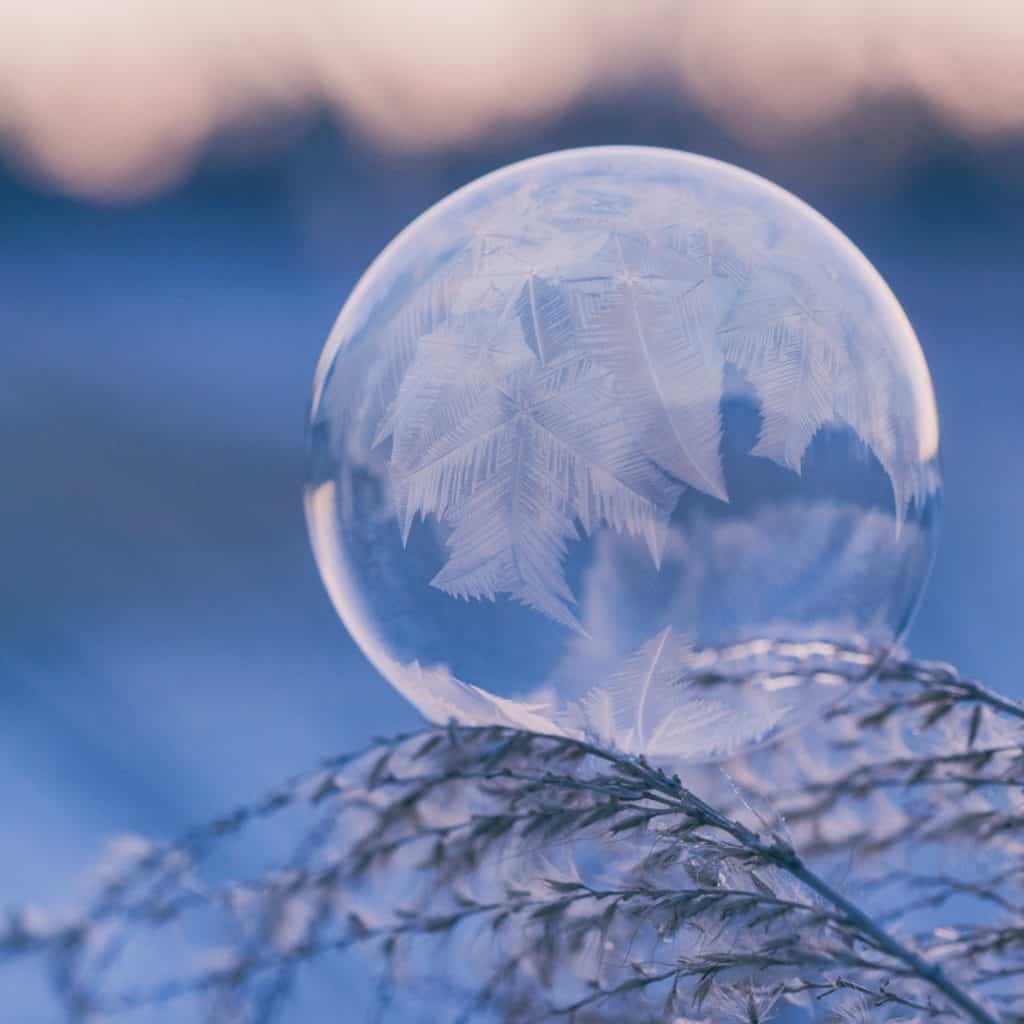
column 613, row 344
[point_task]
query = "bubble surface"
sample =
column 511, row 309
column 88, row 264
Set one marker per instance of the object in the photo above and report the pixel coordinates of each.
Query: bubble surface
column 628, row 444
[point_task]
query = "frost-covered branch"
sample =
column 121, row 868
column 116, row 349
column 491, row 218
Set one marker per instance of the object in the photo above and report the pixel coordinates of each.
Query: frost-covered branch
column 865, row 869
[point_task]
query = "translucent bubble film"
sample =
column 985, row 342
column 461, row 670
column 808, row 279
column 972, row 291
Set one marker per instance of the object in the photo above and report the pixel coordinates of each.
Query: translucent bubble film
column 629, row 444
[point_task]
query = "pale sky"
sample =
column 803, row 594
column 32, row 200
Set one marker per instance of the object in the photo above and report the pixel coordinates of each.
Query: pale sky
column 116, row 97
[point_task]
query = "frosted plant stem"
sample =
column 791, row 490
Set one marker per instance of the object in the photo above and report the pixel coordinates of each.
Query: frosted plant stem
column 782, row 855
column 983, row 695
column 931, row 973
column 479, row 797
column 939, row 677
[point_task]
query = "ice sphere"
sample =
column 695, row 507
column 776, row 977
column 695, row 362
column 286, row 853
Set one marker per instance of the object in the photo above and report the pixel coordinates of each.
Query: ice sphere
column 624, row 443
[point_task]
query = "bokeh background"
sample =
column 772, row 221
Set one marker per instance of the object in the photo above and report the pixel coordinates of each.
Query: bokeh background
column 188, row 191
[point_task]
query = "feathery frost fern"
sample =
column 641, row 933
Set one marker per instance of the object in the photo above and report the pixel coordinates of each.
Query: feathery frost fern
column 564, row 369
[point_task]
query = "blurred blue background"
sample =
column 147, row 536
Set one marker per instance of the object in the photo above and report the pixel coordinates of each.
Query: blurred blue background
column 167, row 279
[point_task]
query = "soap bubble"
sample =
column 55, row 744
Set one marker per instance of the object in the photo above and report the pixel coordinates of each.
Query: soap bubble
column 628, row 444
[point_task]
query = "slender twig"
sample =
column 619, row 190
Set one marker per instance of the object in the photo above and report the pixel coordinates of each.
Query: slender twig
column 785, row 857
